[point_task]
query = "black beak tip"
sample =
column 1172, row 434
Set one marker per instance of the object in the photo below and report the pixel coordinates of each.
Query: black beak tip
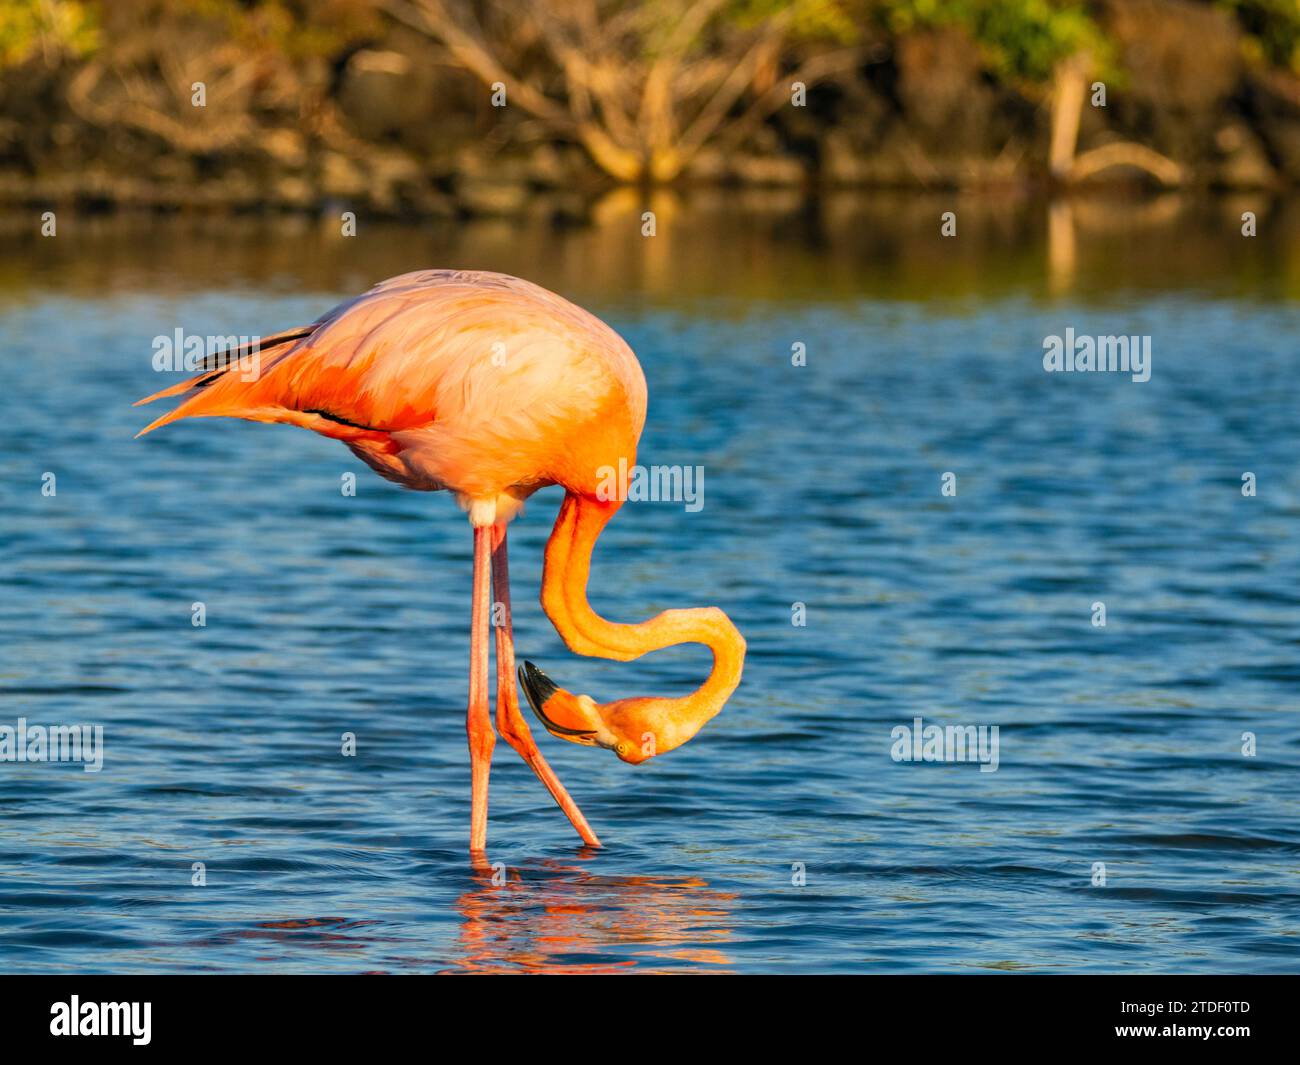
column 537, row 685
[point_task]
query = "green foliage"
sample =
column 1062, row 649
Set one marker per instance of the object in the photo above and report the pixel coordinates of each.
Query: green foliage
column 1021, row 40
column 48, row 28
column 1272, row 29
column 296, row 29
column 827, row 20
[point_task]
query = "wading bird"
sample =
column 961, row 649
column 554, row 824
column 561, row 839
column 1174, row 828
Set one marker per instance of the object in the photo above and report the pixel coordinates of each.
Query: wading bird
column 490, row 387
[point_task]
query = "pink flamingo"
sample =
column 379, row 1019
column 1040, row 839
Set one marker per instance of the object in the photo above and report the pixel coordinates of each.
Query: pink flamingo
column 491, row 387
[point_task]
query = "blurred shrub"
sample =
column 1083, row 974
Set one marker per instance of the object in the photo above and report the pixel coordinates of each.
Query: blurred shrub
column 298, row 29
column 1021, row 40
column 1272, row 29
column 51, row 29
column 811, row 20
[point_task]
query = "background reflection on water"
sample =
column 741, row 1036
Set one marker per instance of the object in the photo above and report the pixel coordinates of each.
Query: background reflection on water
column 329, row 614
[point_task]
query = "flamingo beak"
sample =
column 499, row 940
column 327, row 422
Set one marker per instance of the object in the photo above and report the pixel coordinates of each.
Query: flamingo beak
column 558, row 710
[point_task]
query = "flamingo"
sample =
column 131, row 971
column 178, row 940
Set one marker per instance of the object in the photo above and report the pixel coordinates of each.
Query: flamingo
column 490, row 387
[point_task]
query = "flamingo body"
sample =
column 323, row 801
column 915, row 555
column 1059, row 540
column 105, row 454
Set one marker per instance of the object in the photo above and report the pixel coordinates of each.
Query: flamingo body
column 480, row 383
column 490, row 387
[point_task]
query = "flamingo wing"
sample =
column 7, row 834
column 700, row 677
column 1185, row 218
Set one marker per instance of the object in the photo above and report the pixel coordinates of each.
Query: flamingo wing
column 380, row 362
column 478, row 382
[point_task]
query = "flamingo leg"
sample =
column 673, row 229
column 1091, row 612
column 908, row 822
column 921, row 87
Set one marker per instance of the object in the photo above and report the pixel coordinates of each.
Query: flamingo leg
column 510, row 722
column 478, row 721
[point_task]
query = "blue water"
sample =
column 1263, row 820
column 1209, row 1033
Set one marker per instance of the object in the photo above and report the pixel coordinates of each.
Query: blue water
column 328, row 614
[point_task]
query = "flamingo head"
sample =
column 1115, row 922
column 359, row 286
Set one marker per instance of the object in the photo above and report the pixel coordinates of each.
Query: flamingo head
column 628, row 727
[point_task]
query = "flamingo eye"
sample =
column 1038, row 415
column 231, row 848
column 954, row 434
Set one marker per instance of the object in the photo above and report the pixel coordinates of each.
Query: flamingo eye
column 621, row 748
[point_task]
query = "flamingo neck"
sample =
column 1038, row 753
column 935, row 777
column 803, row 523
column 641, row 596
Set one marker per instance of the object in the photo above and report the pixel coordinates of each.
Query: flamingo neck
column 564, row 598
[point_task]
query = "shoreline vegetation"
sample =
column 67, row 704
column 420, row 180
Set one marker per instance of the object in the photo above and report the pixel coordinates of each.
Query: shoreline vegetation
column 496, row 108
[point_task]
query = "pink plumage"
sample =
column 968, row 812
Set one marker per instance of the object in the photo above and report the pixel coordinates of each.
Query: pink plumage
column 476, row 382
column 492, row 388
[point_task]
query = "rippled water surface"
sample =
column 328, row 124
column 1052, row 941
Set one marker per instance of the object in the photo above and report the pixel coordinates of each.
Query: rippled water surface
column 329, row 614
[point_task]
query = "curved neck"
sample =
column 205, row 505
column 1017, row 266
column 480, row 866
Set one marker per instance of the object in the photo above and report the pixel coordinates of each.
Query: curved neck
column 564, row 598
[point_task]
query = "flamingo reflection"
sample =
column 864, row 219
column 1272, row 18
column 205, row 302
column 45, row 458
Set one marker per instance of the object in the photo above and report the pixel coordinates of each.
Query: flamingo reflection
column 561, row 918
